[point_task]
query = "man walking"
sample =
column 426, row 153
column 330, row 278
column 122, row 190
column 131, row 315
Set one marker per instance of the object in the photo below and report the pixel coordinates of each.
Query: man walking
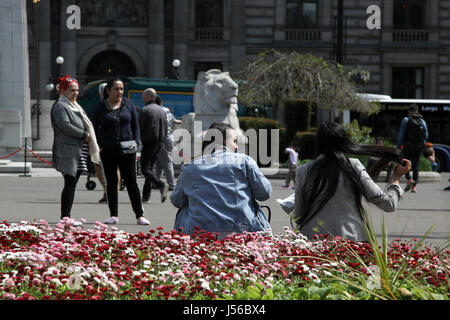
column 411, row 138
column 164, row 158
column 153, row 126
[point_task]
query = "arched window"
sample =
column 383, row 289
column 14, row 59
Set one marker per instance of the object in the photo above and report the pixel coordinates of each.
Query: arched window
column 110, row 63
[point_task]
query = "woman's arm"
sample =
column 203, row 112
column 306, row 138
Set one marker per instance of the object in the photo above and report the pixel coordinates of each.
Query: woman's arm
column 178, row 197
column 62, row 121
column 135, row 123
column 401, row 133
column 258, row 183
column 388, row 200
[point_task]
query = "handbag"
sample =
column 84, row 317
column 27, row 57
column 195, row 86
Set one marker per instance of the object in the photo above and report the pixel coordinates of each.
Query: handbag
column 125, row 147
column 128, row 147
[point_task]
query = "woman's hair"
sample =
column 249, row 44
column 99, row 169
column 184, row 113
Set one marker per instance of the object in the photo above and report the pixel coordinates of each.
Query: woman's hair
column 333, row 142
column 109, row 85
column 158, row 100
column 223, row 128
column 64, row 82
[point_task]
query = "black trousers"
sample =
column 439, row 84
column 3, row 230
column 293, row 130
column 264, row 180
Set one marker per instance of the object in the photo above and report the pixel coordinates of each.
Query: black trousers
column 111, row 159
column 414, row 157
column 149, row 154
column 68, row 193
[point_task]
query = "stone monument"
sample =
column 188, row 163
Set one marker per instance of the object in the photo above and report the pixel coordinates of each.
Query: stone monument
column 15, row 120
column 215, row 100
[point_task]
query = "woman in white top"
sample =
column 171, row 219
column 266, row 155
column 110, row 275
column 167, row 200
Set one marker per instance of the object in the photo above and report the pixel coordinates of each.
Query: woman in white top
column 329, row 190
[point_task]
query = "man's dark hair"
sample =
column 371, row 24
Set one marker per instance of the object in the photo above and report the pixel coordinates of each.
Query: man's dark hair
column 223, row 128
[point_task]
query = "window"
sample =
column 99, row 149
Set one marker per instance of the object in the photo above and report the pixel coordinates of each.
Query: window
column 407, row 82
column 409, row 14
column 301, row 14
column 205, row 66
column 208, row 13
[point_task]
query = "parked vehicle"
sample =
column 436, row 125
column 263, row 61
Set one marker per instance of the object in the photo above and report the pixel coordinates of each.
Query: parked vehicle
column 386, row 122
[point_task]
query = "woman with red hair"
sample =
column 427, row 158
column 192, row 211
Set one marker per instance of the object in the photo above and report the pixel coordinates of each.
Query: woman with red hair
column 74, row 140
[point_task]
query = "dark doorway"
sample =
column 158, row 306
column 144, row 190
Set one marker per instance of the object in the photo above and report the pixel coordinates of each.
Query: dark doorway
column 110, row 63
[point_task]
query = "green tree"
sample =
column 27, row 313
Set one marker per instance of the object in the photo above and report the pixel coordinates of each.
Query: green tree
column 275, row 76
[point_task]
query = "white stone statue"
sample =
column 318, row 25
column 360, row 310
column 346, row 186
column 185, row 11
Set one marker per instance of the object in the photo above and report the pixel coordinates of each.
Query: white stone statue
column 215, row 100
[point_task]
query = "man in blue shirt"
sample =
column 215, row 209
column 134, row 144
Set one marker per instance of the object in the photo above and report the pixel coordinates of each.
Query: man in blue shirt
column 412, row 136
column 217, row 191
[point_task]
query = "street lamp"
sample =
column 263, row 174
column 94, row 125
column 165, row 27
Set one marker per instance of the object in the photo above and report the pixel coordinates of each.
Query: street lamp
column 50, row 86
column 176, row 64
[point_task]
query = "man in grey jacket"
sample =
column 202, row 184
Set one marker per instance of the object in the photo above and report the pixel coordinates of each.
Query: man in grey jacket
column 153, row 126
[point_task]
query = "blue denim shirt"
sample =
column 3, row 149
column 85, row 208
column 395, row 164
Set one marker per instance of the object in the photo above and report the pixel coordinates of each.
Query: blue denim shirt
column 216, row 192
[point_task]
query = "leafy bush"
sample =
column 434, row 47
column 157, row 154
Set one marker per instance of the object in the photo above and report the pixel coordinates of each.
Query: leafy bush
column 258, row 123
column 305, row 143
column 359, row 135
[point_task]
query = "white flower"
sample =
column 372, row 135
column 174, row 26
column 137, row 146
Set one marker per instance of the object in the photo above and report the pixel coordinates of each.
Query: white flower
column 205, row 284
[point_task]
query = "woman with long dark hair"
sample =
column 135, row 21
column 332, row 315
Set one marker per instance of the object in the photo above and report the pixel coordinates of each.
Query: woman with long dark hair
column 115, row 120
column 329, row 189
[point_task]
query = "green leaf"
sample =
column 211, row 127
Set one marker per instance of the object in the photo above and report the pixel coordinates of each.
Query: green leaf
column 253, row 293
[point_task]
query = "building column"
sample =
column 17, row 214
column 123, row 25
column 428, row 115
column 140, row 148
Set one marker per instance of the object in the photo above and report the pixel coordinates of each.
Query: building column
column 68, row 48
column 156, row 61
column 45, row 48
column 181, row 36
column 15, row 118
column 388, row 19
column 238, row 48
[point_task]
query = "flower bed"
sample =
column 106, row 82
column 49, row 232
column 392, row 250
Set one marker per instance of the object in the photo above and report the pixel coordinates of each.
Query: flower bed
column 38, row 261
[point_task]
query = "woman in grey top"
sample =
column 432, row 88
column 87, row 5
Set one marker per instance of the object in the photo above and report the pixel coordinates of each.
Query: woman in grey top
column 74, row 139
column 329, row 190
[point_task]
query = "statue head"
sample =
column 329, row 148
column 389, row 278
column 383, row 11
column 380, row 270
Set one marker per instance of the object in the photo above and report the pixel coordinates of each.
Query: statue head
column 215, row 93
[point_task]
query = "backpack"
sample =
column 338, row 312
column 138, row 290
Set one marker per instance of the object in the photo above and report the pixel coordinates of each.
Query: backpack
column 415, row 133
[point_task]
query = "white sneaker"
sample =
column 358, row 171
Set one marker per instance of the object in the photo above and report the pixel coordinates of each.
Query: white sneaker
column 142, row 221
column 112, row 220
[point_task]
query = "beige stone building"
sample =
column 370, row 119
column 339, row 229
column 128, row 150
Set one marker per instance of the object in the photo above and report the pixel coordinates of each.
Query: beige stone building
column 409, row 57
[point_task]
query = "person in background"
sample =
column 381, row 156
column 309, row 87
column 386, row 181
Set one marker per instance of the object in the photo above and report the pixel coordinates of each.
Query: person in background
column 217, row 192
column 411, row 139
column 115, row 119
column 373, row 167
column 329, row 189
column 164, row 157
column 98, row 167
column 428, row 153
column 292, row 165
column 74, row 140
column 153, row 128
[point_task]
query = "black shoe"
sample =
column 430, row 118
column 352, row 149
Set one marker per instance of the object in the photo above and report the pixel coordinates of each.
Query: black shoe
column 164, row 189
column 171, row 188
column 103, row 199
column 145, row 199
column 447, row 188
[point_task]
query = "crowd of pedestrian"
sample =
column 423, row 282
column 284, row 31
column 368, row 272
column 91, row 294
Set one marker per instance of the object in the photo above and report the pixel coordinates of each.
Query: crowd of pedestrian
column 218, row 191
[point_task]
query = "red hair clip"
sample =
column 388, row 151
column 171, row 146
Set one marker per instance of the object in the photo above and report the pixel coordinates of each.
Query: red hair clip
column 64, row 82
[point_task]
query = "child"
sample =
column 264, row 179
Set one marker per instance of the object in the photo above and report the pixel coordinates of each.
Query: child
column 293, row 158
